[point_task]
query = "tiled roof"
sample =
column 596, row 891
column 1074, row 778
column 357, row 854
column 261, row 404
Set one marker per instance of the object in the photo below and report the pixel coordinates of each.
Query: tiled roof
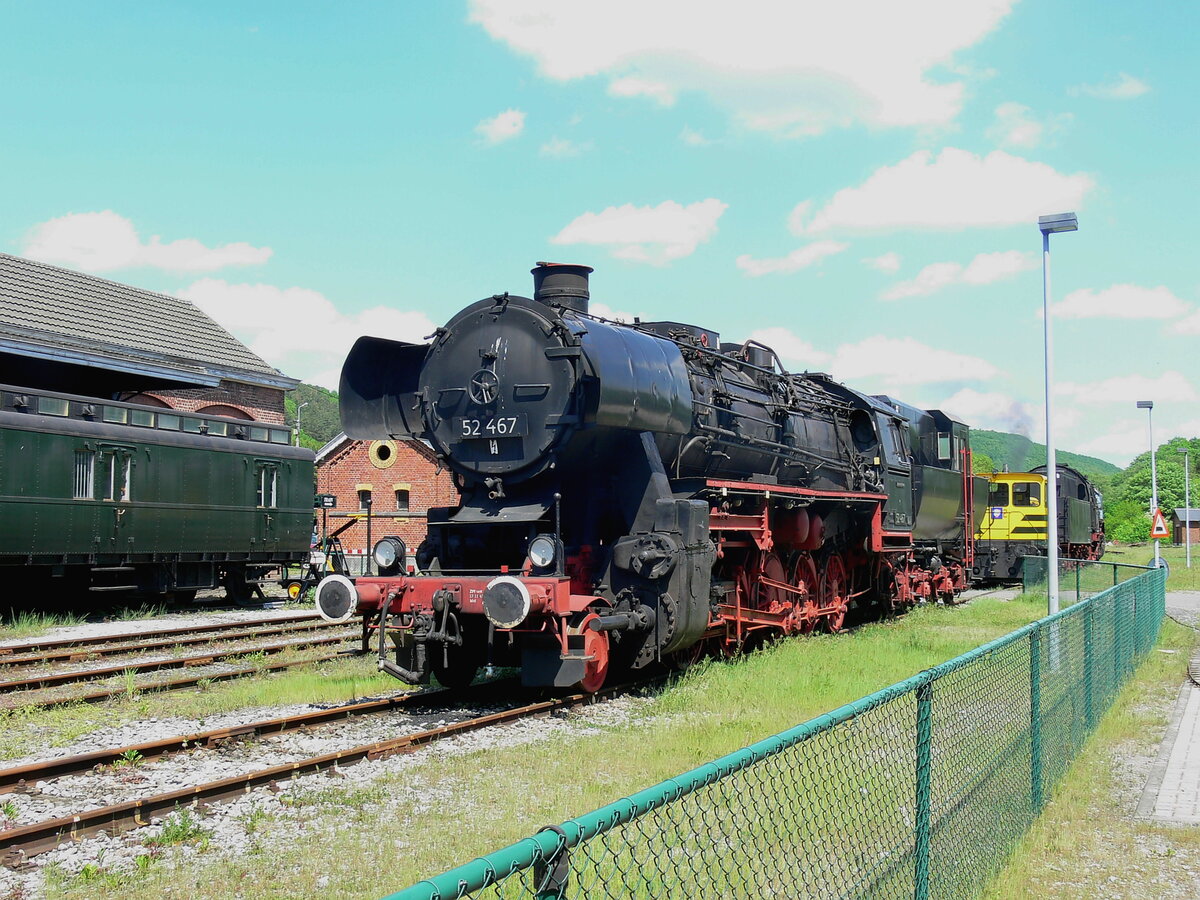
column 45, row 306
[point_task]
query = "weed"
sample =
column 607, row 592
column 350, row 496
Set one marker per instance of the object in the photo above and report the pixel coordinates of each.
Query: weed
column 254, row 818
column 129, row 677
column 10, row 810
column 181, row 827
column 128, row 758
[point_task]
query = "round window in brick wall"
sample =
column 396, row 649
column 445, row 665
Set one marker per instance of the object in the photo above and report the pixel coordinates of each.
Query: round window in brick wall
column 383, row 454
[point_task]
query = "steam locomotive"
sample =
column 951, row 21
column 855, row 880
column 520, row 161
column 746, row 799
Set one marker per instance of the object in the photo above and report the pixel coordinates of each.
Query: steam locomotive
column 640, row 494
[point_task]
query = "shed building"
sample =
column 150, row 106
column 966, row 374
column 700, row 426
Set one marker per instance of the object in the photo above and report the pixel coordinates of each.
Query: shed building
column 65, row 331
column 1182, row 519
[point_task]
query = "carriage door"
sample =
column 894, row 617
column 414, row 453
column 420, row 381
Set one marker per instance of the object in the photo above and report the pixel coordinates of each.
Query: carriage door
column 116, row 488
column 266, row 489
column 897, row 476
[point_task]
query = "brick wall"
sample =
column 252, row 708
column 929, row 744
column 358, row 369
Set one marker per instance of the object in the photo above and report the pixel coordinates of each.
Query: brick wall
column 263, row 404
column 408, row 462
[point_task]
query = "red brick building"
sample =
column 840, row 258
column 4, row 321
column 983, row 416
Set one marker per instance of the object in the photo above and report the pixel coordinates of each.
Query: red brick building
column 400, row 478
column 1182, row 521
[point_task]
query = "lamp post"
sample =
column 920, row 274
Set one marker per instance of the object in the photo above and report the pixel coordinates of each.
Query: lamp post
column 1187, row 504
column 1049, row 225
column 1148, row 406
column 299, row 406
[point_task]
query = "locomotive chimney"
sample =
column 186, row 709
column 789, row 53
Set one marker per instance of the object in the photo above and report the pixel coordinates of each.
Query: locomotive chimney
column 561, row 284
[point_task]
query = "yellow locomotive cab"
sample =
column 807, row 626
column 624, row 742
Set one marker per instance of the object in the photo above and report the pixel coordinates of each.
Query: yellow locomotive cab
column 1016, row 508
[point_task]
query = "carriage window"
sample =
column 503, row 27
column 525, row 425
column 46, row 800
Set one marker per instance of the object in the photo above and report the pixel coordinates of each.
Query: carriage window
column 1027, row 493
column 258, row 434
column 998, row 494
column 142, row 417
column 85, row 475
column 118, row 414
column 116, row 475
column 278, row 437
column 193, row 426
column 943, row 439
column 220, row 428
column 52, row 406
column 267, row 484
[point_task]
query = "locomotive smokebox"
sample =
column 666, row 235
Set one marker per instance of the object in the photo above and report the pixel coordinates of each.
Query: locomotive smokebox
column 561, row 284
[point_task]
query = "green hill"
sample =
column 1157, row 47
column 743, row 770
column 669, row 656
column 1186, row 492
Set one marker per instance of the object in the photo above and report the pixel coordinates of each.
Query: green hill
column 1020, row 454
column 319, row 421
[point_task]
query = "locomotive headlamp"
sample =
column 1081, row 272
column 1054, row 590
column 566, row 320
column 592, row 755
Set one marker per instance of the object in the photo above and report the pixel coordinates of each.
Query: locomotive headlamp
column 542, row 550
column 336, row 598
column 389, row 553
column 506, row 602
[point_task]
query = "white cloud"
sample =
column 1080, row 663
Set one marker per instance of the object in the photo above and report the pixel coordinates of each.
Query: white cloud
column 502, row 127
column 561, row 148
column 983, row 269
column 793, row 69
column 1120, row 444
column 792, row 349
column 650, row 234
column 604, row 311
column 888, row 361
column 314, row 344
column 633, row 86
column 994, row 410
column 906, row 361
column 955, row 189
column 105, row 241
column 798, row 259
column 1125, row 87
column 1189, row 325
column 888, row 262
column 1014, row 127
column 1169, row 387
column 693, row 138
column 1121, row 301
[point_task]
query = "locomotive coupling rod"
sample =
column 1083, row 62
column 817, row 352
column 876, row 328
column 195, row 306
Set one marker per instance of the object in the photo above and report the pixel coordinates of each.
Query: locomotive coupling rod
column 642, row 617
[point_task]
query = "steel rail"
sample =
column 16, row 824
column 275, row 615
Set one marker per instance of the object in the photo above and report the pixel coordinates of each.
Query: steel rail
column 172, row 685
column 18, row 844
column 53, row 679
column 60, row 643
column 82, row 654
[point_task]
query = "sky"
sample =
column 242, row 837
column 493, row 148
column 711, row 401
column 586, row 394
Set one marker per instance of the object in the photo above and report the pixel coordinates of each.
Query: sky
column 856, row 184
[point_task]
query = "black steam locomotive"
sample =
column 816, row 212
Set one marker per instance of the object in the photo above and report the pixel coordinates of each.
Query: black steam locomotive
column 633, row 494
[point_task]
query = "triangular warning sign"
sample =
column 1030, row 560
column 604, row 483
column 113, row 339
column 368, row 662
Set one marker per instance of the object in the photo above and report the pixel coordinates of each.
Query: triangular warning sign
column 1159, row 527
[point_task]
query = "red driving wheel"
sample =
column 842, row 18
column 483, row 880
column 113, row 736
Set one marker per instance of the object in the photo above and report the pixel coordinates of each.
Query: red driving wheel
column 595, row 646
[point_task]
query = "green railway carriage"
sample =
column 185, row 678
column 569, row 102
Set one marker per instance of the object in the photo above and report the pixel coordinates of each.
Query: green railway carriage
column 101, row 496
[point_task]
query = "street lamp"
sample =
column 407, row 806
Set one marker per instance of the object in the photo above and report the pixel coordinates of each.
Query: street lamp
column 299, row 406
column 1049, row 225
column 1148, row 406
column 1187, row 503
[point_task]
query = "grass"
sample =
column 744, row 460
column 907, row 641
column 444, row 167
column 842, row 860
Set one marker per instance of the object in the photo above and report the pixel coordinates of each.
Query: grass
column 24, row 731
column 447, row 807
column 1181, row 577
column 26, row 623
column 1086, row 843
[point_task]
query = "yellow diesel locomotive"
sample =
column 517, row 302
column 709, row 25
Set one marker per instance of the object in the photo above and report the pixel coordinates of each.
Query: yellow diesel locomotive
column 1014, row 525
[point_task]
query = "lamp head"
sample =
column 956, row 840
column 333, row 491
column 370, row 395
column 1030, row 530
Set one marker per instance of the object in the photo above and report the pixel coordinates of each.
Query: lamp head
column 1058, row 222
column 1145, row 404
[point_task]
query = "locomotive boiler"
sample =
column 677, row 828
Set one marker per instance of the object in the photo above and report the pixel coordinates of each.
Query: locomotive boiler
column 634, row 494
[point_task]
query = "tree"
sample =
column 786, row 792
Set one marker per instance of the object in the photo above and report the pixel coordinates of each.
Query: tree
column 982, row 464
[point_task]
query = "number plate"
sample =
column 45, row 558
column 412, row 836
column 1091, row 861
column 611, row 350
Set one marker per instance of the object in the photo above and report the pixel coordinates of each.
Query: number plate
column 491, row 428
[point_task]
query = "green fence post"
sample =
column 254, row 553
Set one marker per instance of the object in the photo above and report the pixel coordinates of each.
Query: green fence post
column 1035, row 720
column 924, row 775
column 1078, row 570
column 1088, row 704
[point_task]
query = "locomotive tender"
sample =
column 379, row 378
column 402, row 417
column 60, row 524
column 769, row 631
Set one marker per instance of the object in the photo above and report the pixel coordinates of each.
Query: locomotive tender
column 642, row 493
column 104, row 497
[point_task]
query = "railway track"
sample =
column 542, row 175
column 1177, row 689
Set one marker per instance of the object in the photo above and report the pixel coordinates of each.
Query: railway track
column 20, row 843
column 9, row 662
column 304, row 632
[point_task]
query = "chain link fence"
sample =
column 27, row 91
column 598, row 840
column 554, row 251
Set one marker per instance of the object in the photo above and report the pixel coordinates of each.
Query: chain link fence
column 917, row 791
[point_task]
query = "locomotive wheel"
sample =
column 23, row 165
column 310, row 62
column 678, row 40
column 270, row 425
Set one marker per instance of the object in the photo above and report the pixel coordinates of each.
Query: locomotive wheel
column 595, row 645
column 834, row 589
column 459, row 673
column 805, row 573
column 764, row 596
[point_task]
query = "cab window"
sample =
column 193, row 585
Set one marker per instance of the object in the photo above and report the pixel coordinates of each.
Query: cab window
column 998, row 494
column 1027, row 493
